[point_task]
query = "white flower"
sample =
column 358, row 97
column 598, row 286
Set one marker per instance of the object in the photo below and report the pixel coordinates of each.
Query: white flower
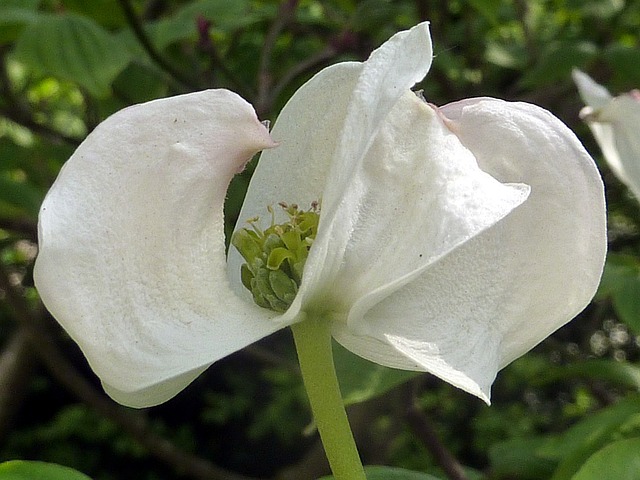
column 615, row 123
column 451, row 240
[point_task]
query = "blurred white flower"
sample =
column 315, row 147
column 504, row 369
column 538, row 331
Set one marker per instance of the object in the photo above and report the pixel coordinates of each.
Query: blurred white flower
column 615, row 123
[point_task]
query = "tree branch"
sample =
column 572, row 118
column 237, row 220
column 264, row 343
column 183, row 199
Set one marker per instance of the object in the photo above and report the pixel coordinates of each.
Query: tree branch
column 285, row 13
column 22, row 118
column 423, row 429
column 16, row 365
column 217, row 62
column 299, row 69
column 145, row 41
column 26, row 228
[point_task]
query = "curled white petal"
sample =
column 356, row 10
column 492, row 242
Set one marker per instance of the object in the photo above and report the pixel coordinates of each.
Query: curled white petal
column 386, row 76
column 503, row 291
column 324, row 132
column 417, row 195
column 559, row 234
column 132, row 256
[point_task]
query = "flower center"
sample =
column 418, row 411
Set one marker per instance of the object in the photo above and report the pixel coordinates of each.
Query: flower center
column 275, row 257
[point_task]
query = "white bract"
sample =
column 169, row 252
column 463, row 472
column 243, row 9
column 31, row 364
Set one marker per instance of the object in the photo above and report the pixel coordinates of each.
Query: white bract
column 615, row 124
column 451, row 240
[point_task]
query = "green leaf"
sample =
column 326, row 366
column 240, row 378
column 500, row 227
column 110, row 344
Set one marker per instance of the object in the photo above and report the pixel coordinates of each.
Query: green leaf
column 361, row 379
column 616, row 270
column 588, row 436
column 223, row 14
column 537, row 457
column 626, row 301
column 39, row 162
column 621, row 281
column 23, row 470
column 602, row 10
column 625, row 63
column 140, row 83
column 519, row 458
column 556, row 61
column 102, row 11
column 489, row 9
column 619, row 460
column 390, row 473
column 20, row 195
column 507, row 55
column 14, row 14
column 372, row 14
column 619, row 373
column 26, row 4
column 73, row 48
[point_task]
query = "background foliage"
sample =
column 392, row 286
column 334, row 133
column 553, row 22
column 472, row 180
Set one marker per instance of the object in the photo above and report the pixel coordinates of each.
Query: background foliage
column 568, row 410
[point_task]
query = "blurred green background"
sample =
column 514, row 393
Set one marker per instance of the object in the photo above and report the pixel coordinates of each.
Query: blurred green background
column 568, row 409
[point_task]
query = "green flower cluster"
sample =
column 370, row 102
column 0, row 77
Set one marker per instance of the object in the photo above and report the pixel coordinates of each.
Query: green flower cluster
column 275, row 257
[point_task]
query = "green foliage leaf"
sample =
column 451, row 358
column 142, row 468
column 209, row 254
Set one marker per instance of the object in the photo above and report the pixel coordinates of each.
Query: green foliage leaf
column 625, row 63
column 39, row 162
column 487, row 8
column 361, row 379
column 19, row 195
column 601, row 9
column 224, row 14
column 388, row 473
column 140, row 83
column 616, row 271
column 556, row 62
column 14, row 14
column 560, row 457
column 506, row 55
column 26, row 4
column 619, row 373
column 105, row 12
column 372, row 14
column 621, row 282
column 73, row 48
column 22, row 470
column 589, row 435
column 519, row 458
column 619, row 460
column 627, row 303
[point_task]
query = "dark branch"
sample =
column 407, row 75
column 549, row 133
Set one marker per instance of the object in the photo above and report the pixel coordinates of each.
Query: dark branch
column 16, row 366
column 285, row 13
column 24, row 119
column 423, row 429
column 302, row 67
column 217, row 62
column 145, row 41
column 23, row 227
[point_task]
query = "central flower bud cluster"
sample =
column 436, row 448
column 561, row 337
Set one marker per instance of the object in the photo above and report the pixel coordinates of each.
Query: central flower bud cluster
column 275, row 257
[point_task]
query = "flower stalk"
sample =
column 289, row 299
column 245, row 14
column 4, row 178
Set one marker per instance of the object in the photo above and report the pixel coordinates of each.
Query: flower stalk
column 313, row 343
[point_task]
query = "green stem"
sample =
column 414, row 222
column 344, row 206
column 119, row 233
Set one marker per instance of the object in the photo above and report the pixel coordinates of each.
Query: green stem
column 313, row 343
